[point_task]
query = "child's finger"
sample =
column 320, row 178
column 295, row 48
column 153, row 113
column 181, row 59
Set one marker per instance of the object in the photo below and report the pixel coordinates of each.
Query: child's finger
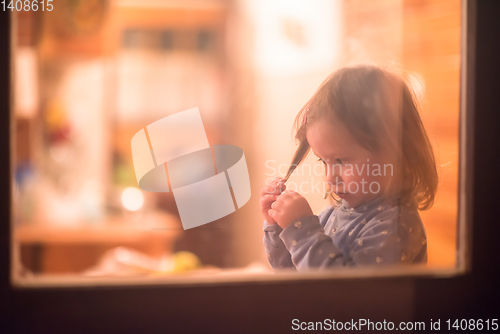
column 281, row 186
column 268, row 199
column 290, row 193
column 272, row 188
column 277, row 205
column 272, row 181
column 285, row 195
column 276, row 181
column 269, row 190
column 270, row 196
column 273, row 213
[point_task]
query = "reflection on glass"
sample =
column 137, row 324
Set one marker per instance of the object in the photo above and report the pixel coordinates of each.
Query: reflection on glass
column 90, row 76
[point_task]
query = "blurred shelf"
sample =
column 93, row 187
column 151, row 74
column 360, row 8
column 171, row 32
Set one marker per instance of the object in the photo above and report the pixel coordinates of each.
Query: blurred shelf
column 113, row 230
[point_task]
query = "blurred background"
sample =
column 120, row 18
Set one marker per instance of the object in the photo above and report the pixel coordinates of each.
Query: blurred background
column 91, row 73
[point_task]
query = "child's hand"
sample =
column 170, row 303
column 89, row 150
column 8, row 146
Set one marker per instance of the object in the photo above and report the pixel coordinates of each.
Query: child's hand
column 268, row 195
column 289, row 206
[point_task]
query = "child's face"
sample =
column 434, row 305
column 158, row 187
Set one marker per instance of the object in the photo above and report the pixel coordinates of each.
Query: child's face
column 356, row 174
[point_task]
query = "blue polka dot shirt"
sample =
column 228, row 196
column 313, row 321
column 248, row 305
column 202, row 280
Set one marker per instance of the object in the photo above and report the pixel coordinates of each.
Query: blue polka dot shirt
column 375, row 233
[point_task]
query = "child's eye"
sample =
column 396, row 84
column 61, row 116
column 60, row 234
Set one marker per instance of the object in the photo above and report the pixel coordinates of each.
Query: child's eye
column 340, row 161
column 323, row 161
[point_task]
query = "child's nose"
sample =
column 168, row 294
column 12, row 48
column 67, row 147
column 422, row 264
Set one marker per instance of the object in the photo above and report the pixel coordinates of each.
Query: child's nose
column 333, row 175
column 334, row 179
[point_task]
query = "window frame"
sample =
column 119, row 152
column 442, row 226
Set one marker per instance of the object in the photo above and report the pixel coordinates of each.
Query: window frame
column 271, row 305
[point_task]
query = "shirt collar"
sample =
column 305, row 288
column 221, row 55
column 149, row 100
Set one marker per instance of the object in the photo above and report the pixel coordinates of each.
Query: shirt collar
column 376, row 202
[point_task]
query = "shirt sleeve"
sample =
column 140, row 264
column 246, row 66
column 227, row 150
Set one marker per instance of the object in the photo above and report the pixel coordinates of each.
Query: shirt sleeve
column 277, row 253
column 309, row 246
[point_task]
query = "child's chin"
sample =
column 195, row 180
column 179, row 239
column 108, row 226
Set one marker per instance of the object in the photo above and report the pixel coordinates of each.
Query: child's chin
column 352, row 200
column 355, row 201
column 343, row 196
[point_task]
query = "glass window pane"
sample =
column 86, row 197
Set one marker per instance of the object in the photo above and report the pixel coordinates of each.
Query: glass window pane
column 142, row 129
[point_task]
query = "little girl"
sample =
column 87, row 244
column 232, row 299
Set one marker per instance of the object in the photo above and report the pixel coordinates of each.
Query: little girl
column 363, row 125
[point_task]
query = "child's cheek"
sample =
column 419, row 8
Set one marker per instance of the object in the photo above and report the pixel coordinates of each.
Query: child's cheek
column 350, row 185
column 353, row 183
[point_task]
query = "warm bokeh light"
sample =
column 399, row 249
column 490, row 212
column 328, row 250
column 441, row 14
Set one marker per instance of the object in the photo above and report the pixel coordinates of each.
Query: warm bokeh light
column 132, row 199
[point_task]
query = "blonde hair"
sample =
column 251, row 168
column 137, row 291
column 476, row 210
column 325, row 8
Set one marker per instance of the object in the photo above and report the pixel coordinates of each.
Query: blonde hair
column 380, row 110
